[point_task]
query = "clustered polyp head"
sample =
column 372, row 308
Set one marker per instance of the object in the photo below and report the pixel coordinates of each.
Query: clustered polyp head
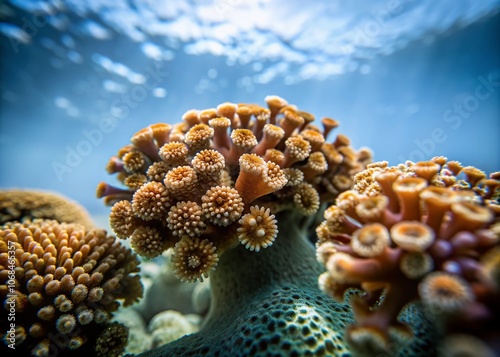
column 218, row 178
column 68, row 281
column 427, row 231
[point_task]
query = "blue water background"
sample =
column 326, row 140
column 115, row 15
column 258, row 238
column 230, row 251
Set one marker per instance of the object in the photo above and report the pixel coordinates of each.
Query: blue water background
column 424, row 81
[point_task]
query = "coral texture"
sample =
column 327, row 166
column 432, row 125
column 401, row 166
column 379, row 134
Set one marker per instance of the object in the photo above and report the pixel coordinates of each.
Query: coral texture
column 236, row 191
column 67, row 281
column 16, row 205
column 427, row 232
column 269, row 304
column 218, row 179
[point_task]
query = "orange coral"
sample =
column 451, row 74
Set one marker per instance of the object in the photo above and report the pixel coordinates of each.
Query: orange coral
column 257, row 229
column 411, row 232
column 222, row 205
column 68, row 280
column 194, row 258
column 198, row 182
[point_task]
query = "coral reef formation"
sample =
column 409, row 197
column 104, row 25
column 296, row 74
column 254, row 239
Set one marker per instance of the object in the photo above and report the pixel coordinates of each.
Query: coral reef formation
column 17, row 205
column 236, row 192
column 218, row 178
column 60, row 282
column 269, row 304
column 426, row 232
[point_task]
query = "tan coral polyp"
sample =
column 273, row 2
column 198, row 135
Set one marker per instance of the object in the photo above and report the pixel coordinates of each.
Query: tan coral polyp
column 454, row 166
column 198, row 137
column 244, row 114
column 440, row 160
column 222, row 205
column 316, row 165
column 191, row 117
column 174, row 153
column 193, row 259
column 473, row 175
column 426, row 169
column 297, row 149
column 122, row 219
column 143, row 140
column 221, row 137
column 415, row 265
column 347, row 201
column 328, row 125
column 208, row 164
column 467, row 216
column 274, row 178
column 161, row 132
column 134, row 161
column 275, row 156
column 258, row 229
column 437, row 201
column 445, row 293
column 148, row 242
column 243, row 141
column 293, row 176
column 371, row 209
column 341, row 141
column 275, row 104
column 333, row 157
column 413, row 236
column 315, row 138
column 408, row 191
column 370, row 240
column 290, row 122
column 228, row 110
column 207, row 114
column 272, row 136
column 306, row 199
column 181, row 180
column 186, row 218
column 151, row 201
column 250, row 182
column 386, row 180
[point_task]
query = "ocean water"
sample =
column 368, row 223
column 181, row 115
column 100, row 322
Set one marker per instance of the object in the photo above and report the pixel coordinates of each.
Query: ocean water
column 408, row 79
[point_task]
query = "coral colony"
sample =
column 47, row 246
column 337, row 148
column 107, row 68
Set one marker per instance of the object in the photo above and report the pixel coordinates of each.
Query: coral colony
column 219, row 177
column 67, row 279
column 238, row 193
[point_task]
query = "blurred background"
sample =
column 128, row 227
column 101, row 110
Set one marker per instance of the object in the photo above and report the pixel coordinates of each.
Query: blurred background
column 409, row 79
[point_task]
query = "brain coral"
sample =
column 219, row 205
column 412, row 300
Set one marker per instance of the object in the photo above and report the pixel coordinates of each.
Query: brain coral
column 16, row 205
column 427, row 231
column 66, row 282
column 236, row 191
